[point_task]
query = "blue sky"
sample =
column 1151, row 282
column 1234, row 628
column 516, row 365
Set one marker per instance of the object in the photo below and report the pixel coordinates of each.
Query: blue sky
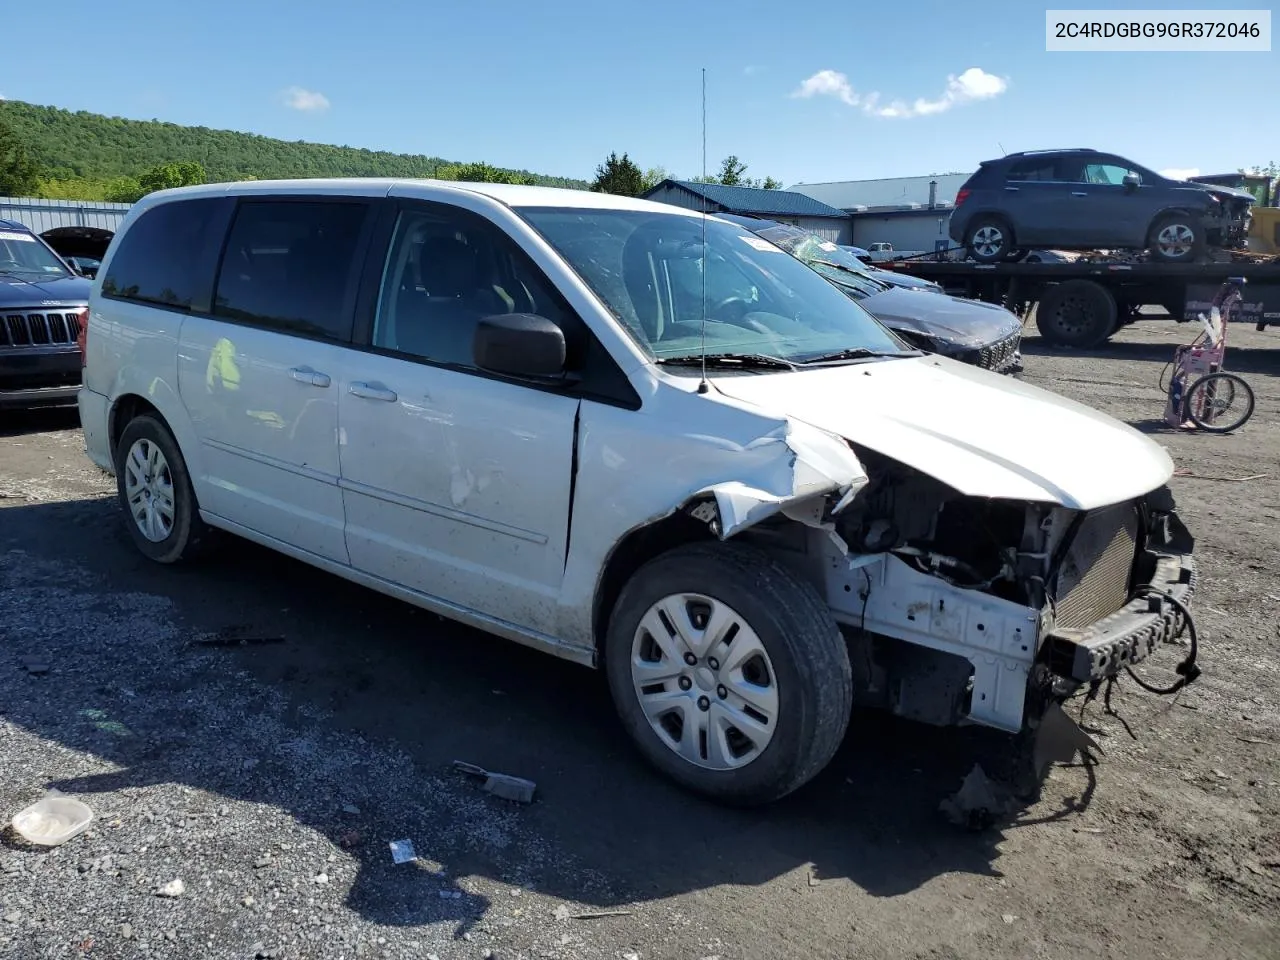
column 553, row 87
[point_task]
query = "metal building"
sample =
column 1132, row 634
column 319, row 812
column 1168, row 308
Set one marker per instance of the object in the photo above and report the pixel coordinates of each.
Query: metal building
column 781, row 205
column 912, row 213
column 41, row 215
column 74, row 228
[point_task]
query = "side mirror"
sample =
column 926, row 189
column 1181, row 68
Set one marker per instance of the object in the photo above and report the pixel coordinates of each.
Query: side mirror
column 520, row 345
column 1132, row 180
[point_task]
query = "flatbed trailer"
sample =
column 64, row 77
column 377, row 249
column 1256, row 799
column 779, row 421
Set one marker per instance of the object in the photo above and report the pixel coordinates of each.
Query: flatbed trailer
column 1082, row 304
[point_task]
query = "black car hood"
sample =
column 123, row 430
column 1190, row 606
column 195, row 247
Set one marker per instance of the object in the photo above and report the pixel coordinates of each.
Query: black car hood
column 905, row 280
column 16, row 291
column 964, row 323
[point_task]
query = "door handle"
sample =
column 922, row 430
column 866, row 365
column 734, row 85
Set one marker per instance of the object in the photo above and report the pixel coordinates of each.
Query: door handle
column 307, row 375
column 1079, row 193
column 1011, row 189
column 372, row 391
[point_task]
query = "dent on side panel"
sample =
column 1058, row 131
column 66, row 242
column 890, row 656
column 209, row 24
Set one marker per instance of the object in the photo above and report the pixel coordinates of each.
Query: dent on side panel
column 636, row 467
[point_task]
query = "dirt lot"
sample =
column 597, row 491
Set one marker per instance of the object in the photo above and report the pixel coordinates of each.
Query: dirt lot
column 270, row 778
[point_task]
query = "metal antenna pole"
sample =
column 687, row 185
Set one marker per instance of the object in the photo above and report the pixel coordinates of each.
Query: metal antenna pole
column 703, row 385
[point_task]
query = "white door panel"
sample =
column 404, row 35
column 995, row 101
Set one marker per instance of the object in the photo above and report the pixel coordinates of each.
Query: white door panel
column 265, row 410
column 457, row 485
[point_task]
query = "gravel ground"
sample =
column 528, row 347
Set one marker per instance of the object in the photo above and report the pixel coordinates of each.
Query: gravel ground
column 270, row 778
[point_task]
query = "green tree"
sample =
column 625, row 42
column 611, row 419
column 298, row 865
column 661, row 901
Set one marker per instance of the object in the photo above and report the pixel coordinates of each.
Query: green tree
column 654, row 176
column 619, row 175
column 19, row 174
column 771, row 184
column 167, row 176
column 731, row 172
column 123, row 190
column 1271, row 170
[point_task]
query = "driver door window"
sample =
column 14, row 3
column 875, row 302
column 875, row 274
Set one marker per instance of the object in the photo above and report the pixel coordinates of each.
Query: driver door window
column 445, row 272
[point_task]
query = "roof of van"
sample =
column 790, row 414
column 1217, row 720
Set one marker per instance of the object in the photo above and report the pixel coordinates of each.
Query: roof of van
column 512, row 195
column 14, row 225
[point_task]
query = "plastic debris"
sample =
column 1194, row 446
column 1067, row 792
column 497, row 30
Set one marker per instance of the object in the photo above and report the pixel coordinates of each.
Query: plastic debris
column 402, row 851
column 978, row 803
column 174, row 888
column 53, row 820
column 501, row 784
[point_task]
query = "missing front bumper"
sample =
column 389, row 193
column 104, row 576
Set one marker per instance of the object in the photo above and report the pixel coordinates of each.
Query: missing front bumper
column 1131, row 634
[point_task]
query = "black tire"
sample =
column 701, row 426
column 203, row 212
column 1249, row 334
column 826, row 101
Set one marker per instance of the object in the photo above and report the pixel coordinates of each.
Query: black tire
column 807, row 652
column 1076, row 313
column 189, row 534
column 993, row 236
column 1183, row 225
column 1211, row 384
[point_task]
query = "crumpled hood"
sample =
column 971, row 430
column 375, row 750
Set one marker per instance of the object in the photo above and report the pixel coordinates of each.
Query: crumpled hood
column 967, row 323
column 64, row 291
column 981, row 433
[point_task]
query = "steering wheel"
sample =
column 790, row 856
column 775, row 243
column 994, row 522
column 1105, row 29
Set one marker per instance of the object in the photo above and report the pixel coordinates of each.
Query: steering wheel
column 741, row 305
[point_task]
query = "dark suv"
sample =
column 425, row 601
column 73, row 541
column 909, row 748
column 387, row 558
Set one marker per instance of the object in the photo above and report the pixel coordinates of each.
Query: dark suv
column 1083, row 200
column 43, row 303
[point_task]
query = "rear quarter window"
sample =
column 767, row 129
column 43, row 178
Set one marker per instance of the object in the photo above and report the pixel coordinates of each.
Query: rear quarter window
column 160, row 260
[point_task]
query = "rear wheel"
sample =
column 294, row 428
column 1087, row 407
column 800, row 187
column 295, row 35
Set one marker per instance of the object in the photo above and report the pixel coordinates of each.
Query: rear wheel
column 990, row 240
column 1176, row 238
column 155, row 492
column 729, row 672
column 1219, row 402
column 1076, row 313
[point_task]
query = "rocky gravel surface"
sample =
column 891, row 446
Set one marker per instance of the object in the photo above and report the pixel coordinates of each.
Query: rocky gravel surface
column 246, row 796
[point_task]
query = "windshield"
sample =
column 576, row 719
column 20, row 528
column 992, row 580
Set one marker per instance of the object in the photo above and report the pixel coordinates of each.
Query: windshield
column 828, row 259
column 648, row 268
column 21, row 254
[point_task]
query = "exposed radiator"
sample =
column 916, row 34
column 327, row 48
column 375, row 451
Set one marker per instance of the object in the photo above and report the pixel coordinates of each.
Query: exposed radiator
column 1093, row 581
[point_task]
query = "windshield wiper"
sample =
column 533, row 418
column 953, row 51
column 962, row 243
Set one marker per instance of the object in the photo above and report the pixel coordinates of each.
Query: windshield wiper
column 858, row 353
column 731, row 361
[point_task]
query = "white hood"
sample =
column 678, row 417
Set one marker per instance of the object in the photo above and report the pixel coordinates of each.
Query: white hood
column 981, row 433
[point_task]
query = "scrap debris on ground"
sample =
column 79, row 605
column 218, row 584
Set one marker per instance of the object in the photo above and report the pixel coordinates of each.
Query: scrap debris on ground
column 297, row 800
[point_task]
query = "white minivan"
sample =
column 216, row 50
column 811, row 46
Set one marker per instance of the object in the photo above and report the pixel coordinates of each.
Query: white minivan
column 633, row 437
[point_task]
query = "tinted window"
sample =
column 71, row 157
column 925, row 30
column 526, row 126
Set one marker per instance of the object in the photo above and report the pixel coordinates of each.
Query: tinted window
column 445, row 271
column 1040, row 168
column 159, row 257
column 291, row 266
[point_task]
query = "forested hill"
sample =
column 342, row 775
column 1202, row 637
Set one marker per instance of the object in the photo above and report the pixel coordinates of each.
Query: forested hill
column 89, row 146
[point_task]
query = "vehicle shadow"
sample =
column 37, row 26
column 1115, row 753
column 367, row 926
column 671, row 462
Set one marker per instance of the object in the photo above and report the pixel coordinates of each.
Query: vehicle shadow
column 15, row 423
column 351, row 662
column 1242, row 360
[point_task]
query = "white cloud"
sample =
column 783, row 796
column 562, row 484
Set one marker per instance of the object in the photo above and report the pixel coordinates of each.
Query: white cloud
column 1180, row 173
column 974, row 84
column 308, row 101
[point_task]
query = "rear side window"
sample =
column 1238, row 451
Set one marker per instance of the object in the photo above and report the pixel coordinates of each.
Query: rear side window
column 291, row 266
column 159, row 258
column 1040, row 168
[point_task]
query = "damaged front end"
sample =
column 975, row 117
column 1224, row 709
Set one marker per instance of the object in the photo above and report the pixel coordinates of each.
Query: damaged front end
column 960, row 609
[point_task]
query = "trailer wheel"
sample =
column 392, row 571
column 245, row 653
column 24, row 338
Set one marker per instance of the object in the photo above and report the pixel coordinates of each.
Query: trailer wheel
column 1076, row 313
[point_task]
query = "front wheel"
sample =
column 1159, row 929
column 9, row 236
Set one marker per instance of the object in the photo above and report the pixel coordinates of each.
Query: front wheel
column 1219, row 403
column 729, row 672
column 1176, row 238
